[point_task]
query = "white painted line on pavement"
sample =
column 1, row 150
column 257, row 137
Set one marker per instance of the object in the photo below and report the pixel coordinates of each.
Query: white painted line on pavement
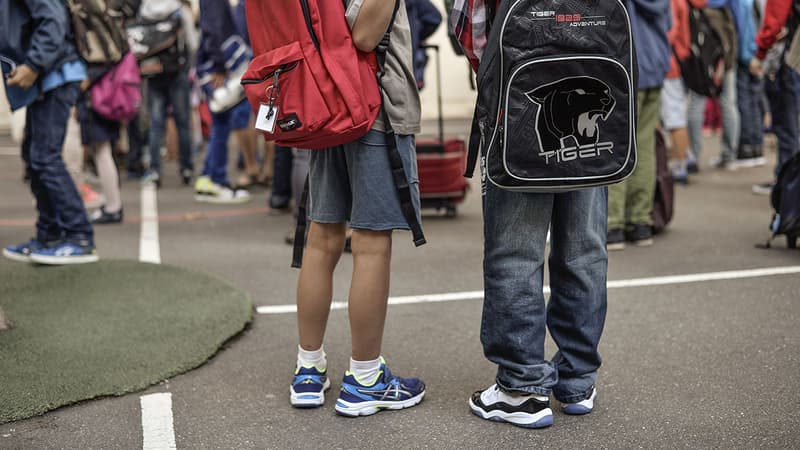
column 149, row 248
column 157, row 428
column 619, row 284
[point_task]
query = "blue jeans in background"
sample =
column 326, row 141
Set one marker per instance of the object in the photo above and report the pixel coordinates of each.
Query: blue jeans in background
column 749, row 92
column 782, row 95
column 515, row 317
column 222, row 125
column 169, row 90
column 730, row 119
column 282, row 178
column 61, row 212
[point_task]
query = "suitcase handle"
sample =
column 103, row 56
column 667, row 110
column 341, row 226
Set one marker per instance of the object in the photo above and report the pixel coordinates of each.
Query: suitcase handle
column 438, row 91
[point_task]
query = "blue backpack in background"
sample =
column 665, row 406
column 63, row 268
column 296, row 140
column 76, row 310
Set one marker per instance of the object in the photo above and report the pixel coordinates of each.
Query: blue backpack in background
column 786, row 201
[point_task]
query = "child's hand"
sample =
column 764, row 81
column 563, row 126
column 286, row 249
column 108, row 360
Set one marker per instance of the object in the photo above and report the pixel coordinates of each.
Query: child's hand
column 23, row 77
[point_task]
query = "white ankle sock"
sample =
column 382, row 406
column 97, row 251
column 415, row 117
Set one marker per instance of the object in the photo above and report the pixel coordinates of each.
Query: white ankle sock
column 366, row 372
column 313, row 358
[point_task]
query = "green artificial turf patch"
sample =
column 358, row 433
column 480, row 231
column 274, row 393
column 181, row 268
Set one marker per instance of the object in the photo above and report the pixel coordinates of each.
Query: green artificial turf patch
column 107, row 328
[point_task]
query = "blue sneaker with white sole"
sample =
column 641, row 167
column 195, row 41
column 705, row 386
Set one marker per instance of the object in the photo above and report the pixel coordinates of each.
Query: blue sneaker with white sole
column 387, row 392
column 64, row 253
column 22, row 252
column 308, row 387
column 582, row 407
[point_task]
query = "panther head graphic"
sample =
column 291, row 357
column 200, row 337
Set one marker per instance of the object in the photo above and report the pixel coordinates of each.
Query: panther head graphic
column 569, row 109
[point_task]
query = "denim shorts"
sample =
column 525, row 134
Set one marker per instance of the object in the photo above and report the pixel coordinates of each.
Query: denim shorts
column 673, row 104
column 354, row 183
column 240, row 115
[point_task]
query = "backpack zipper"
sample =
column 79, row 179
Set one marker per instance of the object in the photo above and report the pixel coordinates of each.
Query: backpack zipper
column 307, row 16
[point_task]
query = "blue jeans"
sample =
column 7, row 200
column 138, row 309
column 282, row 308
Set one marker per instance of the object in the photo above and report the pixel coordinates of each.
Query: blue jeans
column 282, row 178
column 61, row 212
column 222, row 124
column 515, row 317
column 730, row 119
column 169, row 90
column 749, row 91
column 782, row 95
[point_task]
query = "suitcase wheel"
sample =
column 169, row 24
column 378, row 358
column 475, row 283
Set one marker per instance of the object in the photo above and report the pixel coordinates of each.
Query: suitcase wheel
column 451, row 211
column 791, row 241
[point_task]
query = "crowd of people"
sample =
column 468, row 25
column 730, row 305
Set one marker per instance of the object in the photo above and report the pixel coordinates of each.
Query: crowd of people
column 757, row 93
column 353, row 186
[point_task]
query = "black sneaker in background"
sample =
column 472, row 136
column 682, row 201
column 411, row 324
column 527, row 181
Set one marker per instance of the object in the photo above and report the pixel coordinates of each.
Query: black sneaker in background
column 186, row 176
column 616, row 239
column 524, row 411
column 640, row 235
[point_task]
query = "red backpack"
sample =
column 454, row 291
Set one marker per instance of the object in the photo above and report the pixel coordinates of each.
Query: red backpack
column 309, row 85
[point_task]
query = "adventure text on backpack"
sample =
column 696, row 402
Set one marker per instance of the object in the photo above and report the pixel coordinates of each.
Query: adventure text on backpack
column 99, row 36
column 702, row 71
column 309, row 84
column 556, row 99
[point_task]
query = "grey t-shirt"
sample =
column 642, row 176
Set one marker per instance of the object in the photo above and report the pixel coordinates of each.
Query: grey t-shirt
column 403, row 105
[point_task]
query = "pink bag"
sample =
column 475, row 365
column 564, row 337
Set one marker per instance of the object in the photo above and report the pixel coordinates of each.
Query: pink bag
column 118, row 95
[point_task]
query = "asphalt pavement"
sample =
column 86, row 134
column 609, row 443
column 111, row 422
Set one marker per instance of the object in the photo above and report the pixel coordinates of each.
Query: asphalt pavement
column 705, row 362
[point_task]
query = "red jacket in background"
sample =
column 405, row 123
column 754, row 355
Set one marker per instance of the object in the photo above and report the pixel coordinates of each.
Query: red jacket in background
column 776, row 13
column 679, row 35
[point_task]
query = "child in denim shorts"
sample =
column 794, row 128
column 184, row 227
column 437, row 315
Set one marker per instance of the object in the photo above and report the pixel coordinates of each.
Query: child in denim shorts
column 354, row 183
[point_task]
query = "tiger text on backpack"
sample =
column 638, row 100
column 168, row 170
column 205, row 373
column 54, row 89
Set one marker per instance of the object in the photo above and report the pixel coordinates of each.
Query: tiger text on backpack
column 99, row 36
column 556, row 107
column 311, row 87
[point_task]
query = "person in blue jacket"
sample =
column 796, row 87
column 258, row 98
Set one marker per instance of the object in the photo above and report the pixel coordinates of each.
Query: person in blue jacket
column 224, row 49
column 630, row 202
column 40, row 59
column 749, row 88
column 424, row 19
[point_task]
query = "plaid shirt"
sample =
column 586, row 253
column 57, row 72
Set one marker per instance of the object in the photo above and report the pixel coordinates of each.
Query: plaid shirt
column 470, row 24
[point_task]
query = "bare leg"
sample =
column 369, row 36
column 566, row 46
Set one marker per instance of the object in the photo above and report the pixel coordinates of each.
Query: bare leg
column 680, row 143
column 268, row 168
column 369, row 291
column 247, row 143
column 109, row 176
column 315, row 285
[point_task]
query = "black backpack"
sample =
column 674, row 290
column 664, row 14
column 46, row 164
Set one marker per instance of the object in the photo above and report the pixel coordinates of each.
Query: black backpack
column 786, row 202
column 159, row 45
column 98, row 31
column 556, row 106
column 702, row 71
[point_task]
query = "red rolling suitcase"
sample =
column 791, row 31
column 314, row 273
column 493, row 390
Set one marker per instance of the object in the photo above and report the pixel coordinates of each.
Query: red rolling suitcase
column 441, row 162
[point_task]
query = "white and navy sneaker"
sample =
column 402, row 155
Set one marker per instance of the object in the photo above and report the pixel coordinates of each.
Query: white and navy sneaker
column 387, row 392
column 584, row 406
column 22, row 252
column 528, row 411
column 308, row 387
column 65, row 253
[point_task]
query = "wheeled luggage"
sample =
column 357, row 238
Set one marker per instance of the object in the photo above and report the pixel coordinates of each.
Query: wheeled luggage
column 441, row 162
